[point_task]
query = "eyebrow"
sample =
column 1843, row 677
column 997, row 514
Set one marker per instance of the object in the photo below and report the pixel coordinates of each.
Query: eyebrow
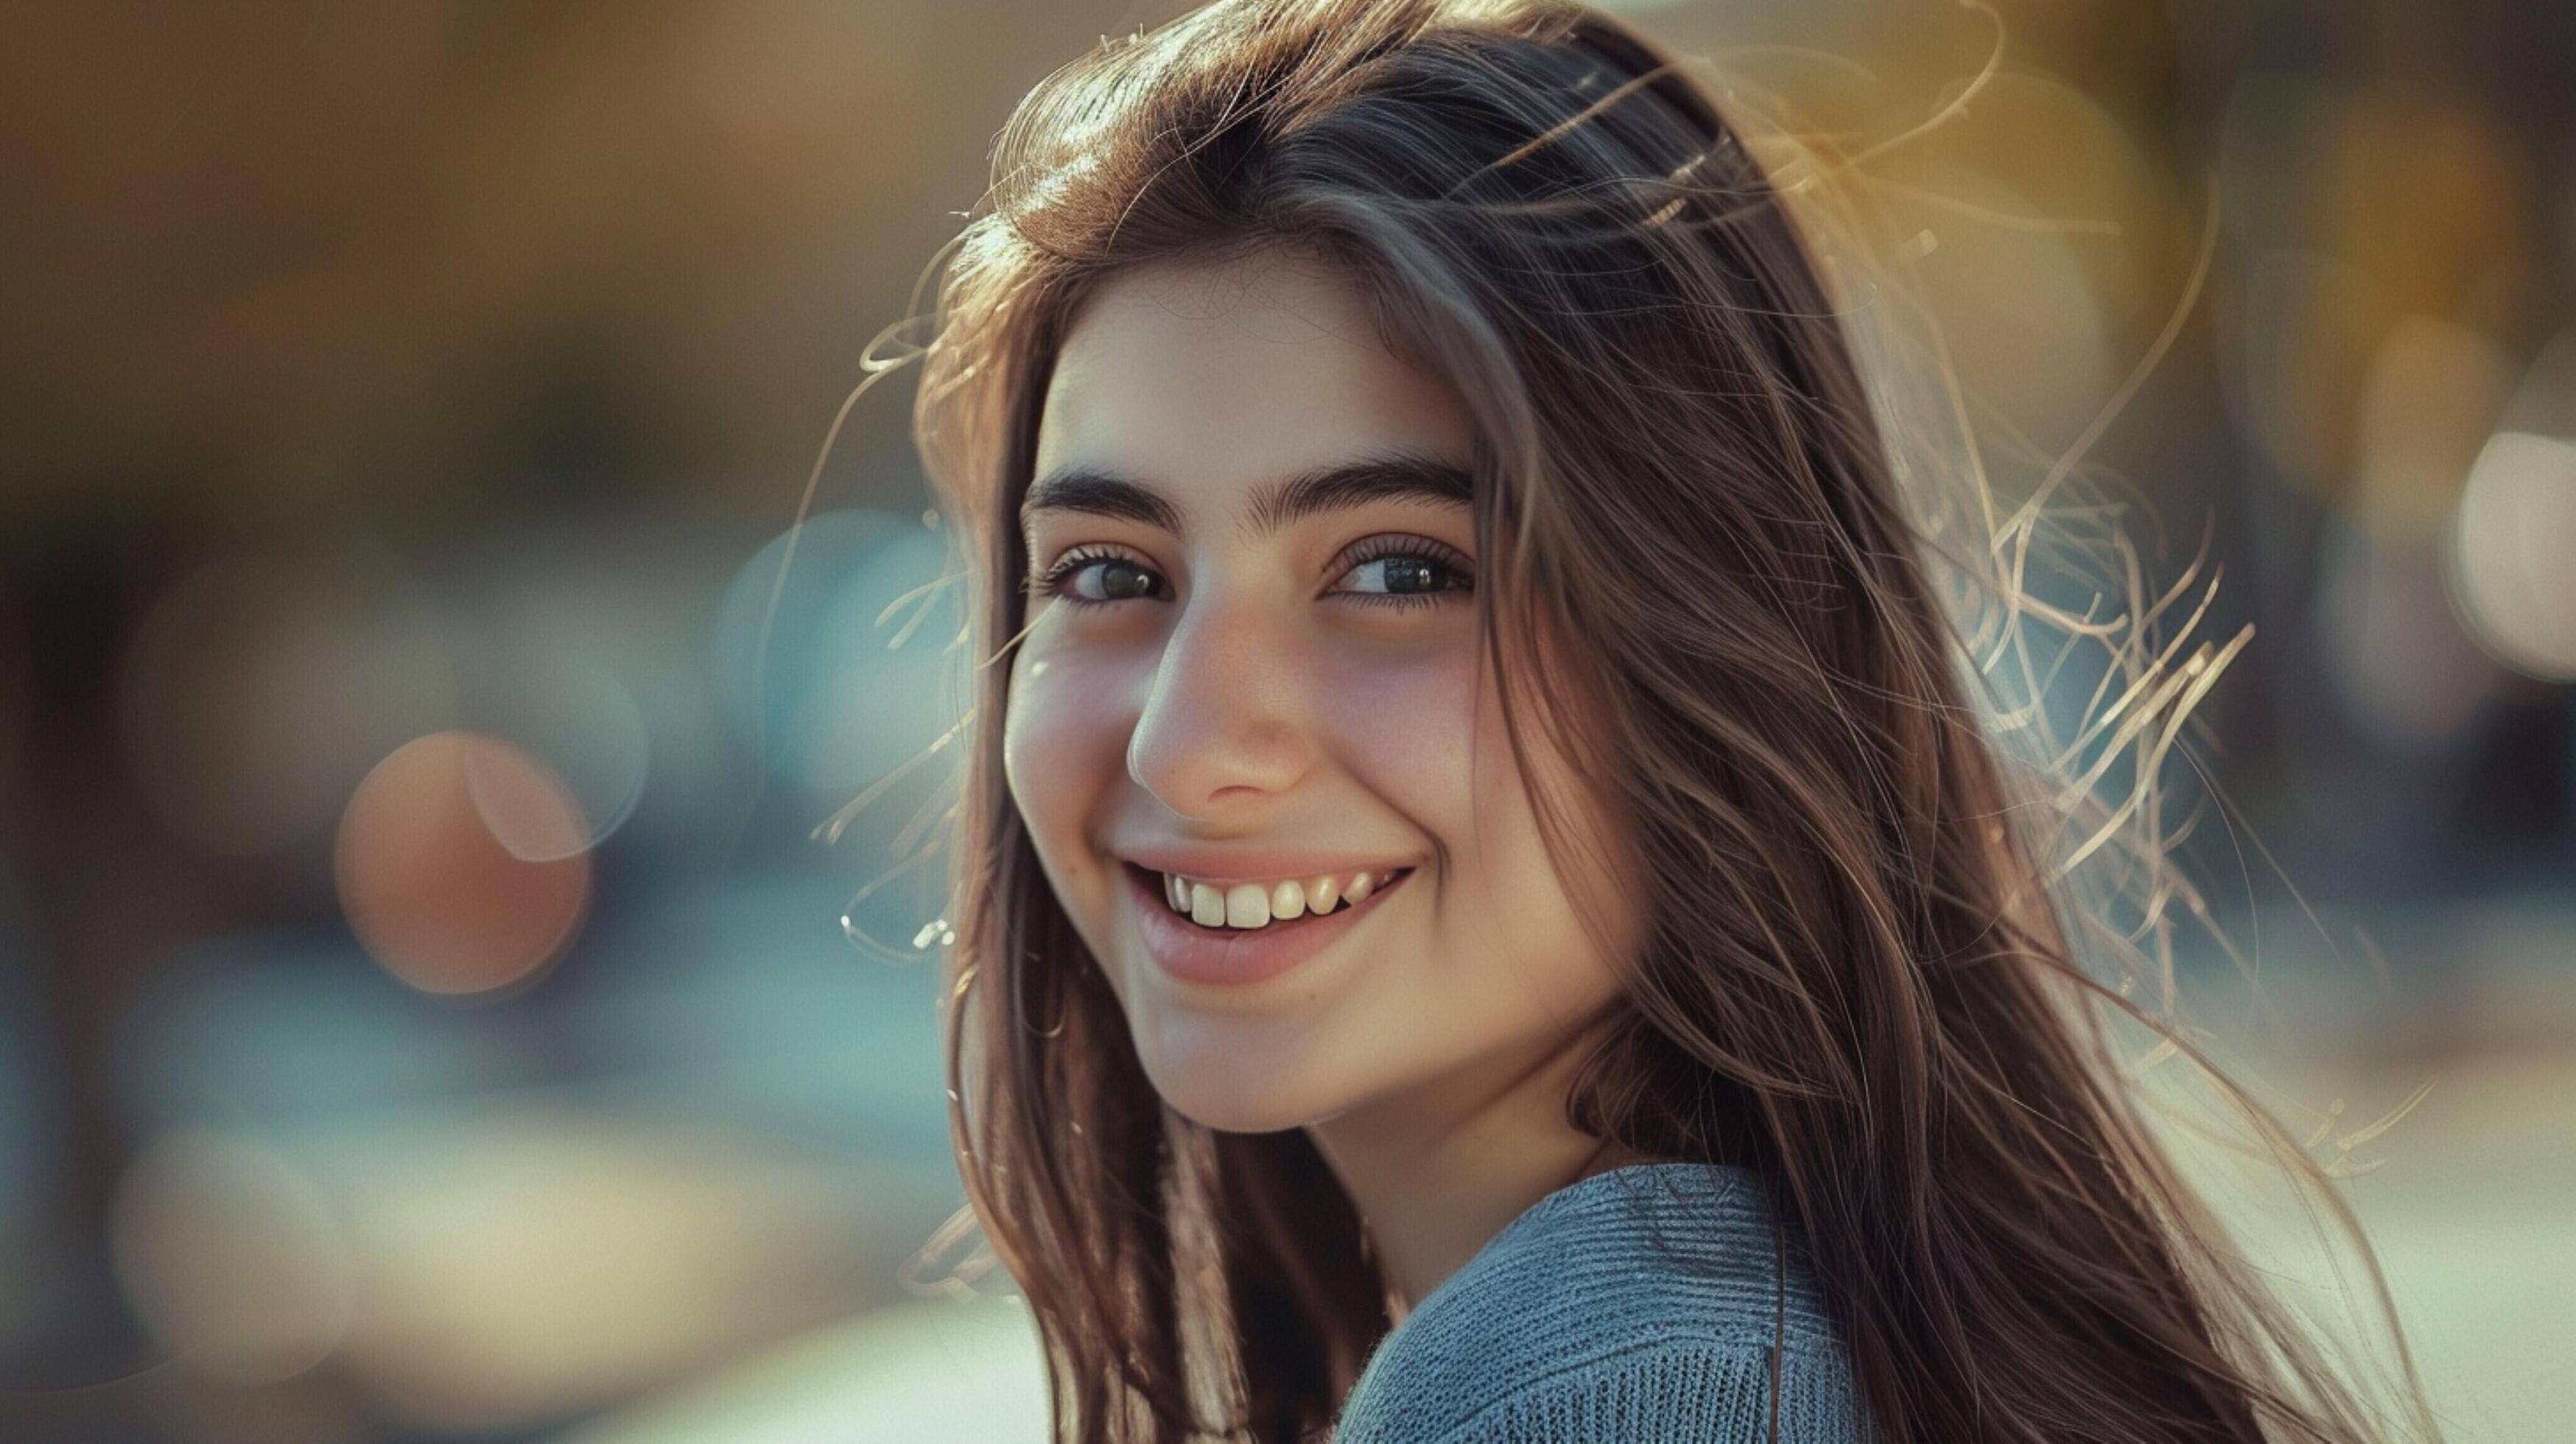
column 1392, row 476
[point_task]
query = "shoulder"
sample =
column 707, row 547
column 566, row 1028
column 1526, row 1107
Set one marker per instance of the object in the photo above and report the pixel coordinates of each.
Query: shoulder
column 1651, row 1302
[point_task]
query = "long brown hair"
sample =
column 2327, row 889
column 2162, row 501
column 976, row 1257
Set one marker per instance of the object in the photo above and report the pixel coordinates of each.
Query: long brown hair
column 1855, row 977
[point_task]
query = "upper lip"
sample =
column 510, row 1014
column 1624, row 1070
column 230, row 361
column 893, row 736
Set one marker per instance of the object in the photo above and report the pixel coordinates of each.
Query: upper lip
column 1235, row 865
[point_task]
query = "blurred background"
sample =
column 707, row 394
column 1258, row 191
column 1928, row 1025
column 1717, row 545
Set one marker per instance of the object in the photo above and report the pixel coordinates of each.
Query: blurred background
column 432, row 1004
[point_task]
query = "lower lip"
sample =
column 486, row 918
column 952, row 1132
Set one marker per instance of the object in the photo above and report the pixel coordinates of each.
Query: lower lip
column 1237, row 958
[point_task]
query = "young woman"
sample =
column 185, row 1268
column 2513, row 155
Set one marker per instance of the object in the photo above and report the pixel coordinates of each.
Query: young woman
column 1486, row 907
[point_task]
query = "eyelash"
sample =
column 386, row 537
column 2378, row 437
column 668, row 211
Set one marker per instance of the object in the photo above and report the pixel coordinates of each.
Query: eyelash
column 1052, row 582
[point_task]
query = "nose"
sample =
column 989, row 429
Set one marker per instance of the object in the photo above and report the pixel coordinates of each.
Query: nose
column 1224, row 724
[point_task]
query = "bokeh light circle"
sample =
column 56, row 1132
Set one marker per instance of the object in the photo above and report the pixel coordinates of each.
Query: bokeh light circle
column 583, row 719
column 463, row 863
column 2512, row 554
column 231, row 1258
column 856, row 672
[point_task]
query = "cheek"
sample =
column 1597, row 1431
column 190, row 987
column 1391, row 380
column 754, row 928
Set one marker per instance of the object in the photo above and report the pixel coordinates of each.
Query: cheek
column 1064, row 749
column 1399, row 722
column 1429, row 738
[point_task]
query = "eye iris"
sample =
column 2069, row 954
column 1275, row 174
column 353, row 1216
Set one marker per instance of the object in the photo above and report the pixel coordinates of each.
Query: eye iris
column 1412, row 574
column 1122, row 581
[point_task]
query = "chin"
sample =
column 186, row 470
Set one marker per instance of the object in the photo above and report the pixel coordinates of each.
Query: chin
column 1237, row 1115
column 1231, row 1093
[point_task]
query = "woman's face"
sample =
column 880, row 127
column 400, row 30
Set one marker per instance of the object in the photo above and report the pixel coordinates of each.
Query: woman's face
column 1250, row 687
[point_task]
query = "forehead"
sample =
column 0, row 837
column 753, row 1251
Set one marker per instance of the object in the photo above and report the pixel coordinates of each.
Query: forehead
column 1221, row 374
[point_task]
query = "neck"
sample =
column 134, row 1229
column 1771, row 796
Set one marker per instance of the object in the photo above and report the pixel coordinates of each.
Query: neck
column 1437, row 1171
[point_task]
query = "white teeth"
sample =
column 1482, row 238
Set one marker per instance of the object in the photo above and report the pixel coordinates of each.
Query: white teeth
column 1250, row 905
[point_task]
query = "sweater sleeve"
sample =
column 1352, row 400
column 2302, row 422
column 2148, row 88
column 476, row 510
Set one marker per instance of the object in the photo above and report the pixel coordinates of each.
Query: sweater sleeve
column 1683, row 1390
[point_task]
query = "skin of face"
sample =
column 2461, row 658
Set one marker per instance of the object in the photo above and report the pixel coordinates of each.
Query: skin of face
column 1248, row 694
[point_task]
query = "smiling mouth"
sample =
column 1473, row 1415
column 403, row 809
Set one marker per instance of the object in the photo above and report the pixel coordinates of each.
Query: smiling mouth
column 1251, row 906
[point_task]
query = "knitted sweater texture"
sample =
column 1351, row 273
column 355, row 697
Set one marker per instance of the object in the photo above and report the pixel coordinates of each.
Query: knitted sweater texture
column 1653, row 1303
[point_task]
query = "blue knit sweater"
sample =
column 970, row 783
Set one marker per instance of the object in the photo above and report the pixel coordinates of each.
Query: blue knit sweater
column 1643, row 1303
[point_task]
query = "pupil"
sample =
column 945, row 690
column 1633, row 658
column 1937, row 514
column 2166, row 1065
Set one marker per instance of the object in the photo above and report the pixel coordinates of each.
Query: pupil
column 1412, row 574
